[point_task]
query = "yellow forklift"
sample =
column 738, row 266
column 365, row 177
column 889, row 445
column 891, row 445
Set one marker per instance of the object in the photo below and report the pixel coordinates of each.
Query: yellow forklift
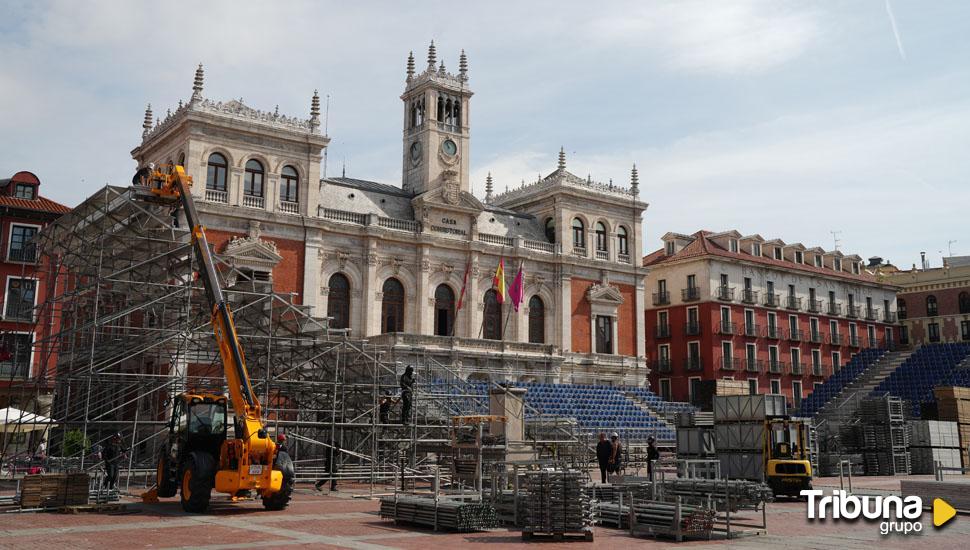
column 788, row 468
column 198, row 455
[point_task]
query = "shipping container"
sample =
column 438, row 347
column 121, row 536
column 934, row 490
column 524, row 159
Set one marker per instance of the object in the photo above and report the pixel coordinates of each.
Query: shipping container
column 740, row 436
column 695, row 441
column 742, row 465
column 748, row 408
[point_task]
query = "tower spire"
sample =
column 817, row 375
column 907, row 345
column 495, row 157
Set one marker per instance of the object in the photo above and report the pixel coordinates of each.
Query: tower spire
column 146, row 125
column 432, row 56
column 634, row 180
column 410, row 66
column 562, row 158
column 315, row 112
column 197, row 84
column 488, row 188
column 463, row 66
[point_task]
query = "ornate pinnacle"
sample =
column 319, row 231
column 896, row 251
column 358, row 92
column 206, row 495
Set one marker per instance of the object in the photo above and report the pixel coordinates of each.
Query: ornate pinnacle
column 315, row 112
column 488, row 188
column 146, row 125
column 463, row 66
column 410, row 66
column 432, row 56
column 441, row 67
column 562, row 158
column 634, row 179
column 197, row 84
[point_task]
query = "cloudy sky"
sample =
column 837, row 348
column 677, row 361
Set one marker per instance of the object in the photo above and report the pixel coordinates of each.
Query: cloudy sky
column 787, row 119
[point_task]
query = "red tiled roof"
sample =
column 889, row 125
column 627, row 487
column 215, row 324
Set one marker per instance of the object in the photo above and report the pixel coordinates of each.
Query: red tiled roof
column 39, row 204
column 703, row 246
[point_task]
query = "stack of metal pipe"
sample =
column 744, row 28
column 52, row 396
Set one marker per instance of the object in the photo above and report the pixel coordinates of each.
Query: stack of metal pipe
column 450, row 515
column 659, row 516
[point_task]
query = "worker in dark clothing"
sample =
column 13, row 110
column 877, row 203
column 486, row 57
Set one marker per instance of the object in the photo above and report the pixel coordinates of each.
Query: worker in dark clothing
column 653, row 455
column 281, row 444
column 407, row 394
column 333, row 456
column 616, row 454
column 111, row 454
column 603, row 451
column 385, row 407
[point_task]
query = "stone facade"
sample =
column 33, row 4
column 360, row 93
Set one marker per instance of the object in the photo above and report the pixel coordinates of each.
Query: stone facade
column 934, row 303
column 389, row 262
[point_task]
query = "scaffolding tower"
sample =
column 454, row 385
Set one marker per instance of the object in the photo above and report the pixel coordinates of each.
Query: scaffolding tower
column 125, row 326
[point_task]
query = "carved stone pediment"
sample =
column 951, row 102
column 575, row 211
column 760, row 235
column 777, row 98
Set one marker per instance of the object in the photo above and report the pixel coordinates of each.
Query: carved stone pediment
column 604, row 294
column 447, row 196
column 252, row 252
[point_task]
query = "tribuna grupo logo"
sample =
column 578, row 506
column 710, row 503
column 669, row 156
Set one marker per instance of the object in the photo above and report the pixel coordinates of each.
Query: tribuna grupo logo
column 896, row 514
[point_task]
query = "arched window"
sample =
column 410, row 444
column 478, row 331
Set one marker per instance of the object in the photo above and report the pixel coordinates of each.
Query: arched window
column 215, row 177
column 579, row 233
column 444, row 310
column 931, row 307
column 289, row 184
column 601, row 237
column 550, row 230
column 537, row 321
column 182, row 160
column 622, row 241
column 392, row 306
column 901, row 308
column 964, row 302
column 492, row 323
column 338, row 301
column 253, row 184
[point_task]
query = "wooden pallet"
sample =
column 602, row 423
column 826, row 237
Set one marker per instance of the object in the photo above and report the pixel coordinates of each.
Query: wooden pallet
column 585, row 535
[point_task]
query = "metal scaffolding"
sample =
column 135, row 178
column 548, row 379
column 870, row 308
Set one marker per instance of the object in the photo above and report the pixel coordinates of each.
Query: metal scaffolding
column 125, row 326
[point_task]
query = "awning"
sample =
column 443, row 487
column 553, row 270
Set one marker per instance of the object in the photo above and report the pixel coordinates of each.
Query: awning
column 15, row 420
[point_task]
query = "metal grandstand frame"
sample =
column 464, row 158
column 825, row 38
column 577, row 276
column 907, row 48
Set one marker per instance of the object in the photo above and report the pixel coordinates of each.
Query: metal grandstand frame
column 133, row 330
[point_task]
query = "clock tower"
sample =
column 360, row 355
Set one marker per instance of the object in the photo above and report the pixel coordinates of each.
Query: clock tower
column 436, row 139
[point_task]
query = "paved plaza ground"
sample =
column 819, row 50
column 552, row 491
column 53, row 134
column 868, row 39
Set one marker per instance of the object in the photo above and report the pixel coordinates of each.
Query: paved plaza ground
column 346, row 520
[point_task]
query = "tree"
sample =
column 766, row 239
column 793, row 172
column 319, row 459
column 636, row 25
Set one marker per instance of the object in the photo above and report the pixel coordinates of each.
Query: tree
column 75, row 443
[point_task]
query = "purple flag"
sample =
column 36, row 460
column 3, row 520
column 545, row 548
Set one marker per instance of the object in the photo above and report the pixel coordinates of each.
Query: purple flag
column 517, row 289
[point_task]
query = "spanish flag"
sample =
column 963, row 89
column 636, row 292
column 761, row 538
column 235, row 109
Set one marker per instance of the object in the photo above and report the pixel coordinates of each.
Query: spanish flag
column 498, row 282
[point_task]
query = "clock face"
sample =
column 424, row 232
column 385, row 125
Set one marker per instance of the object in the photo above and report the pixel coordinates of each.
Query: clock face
column 449, row 148
column 416, row 151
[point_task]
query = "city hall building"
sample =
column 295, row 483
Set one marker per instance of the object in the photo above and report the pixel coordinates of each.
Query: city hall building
column 390, row 261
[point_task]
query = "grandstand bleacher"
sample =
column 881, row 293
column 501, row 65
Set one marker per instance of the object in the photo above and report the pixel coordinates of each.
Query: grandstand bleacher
column 834, row 385
column 928, row 367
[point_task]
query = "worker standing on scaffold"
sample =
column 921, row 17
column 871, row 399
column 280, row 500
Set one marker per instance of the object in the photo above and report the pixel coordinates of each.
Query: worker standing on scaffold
column 407, row 394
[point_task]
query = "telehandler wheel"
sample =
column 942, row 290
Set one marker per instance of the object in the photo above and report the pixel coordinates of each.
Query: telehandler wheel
column 198, row 475
column 166, row 484
column 278, row 501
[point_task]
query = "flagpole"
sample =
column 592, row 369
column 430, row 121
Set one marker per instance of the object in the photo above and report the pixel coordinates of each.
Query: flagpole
column 508, row 314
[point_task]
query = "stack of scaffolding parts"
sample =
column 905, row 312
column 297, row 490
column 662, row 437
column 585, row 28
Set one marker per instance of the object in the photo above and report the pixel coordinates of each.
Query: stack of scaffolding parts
column 953, row 404
column 884, row 436
column 443, row 514
column 54, row 490
column 739, row 433
column 933, row 442
column 558, row 506
column 673, row 519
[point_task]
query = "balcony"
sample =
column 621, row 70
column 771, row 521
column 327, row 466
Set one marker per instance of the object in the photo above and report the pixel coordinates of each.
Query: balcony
column 27, row 253
column 796, row 368
column 855, row 341
column 729, row 363
column 690, row 294
column 752, row 330
column 623, row 258
column 662, row 331
column 872, row 314
column 902, row 314
column 773, row 332
column 889, row 317
column 252, row 201
column 749, row 296
column 727, row 327
column 852, row 311
column 835, row 339
column 214, row 195
column 663, row 365
column 815, row 337
column 796, row 335
column 693, row 364
column 579, row 251
column 775, row 366
column 834, row 309
column 793, row 303
column 602, row 254
column 11, row 371
column 289, row 207
column 692, row 329
column 771, row 300
column 724, row 293
column 816, row 369
column 815, row 306
column 661, row 298
column 753, row 365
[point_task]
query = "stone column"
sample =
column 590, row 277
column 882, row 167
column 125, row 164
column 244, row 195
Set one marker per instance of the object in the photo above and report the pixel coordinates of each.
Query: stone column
column 370, row 312
column 312, row 264
column 424, row 314
column 563, row 309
